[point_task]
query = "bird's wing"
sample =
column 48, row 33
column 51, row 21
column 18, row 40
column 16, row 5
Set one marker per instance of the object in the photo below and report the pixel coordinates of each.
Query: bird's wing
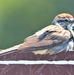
column 48, row 37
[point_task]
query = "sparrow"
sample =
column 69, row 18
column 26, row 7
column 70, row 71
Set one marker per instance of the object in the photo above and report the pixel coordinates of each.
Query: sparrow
column 52, row 39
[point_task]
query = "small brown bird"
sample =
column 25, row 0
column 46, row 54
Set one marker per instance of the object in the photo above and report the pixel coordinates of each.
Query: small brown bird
column 52, row 39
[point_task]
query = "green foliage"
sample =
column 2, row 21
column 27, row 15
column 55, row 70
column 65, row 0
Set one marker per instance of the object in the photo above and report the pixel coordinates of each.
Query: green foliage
column 21, row 18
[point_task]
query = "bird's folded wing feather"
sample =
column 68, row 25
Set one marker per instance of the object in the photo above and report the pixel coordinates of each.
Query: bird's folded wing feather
column 51, row 36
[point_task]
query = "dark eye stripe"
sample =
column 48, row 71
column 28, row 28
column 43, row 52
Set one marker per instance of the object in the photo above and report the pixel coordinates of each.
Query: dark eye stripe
column 63, row 21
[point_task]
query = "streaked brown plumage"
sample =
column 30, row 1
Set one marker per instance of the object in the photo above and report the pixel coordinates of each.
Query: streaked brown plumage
column 56, row 37
column 52, row 39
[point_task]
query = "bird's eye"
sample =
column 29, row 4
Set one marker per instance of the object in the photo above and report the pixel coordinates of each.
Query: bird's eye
column 66, row 20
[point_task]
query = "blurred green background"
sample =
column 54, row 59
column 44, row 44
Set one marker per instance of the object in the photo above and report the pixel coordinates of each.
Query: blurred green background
column 22, row 18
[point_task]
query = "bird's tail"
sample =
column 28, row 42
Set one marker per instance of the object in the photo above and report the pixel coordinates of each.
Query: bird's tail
column 9, row 50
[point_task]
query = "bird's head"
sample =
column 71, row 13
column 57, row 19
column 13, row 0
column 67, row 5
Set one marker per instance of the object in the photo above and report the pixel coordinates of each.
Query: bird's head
column 65, row 20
